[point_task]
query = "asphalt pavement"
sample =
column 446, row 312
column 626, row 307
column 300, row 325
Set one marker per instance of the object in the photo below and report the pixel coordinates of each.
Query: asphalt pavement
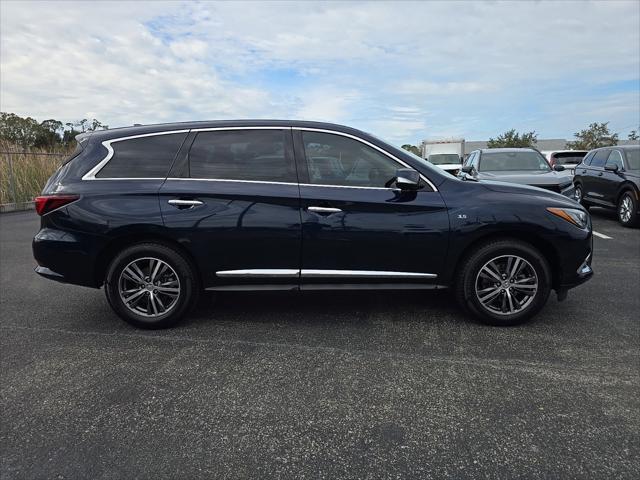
column 320, row 385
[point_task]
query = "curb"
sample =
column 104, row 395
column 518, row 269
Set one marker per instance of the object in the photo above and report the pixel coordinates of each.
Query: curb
column 16, row 207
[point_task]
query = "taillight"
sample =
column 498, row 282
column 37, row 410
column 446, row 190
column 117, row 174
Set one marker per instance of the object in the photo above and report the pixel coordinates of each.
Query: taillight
column 47, row 203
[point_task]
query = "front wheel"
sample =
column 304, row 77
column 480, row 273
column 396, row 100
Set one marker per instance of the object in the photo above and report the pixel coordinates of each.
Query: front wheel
column 504, row 282
column 578, row 195
column 628, row 210
column 150, row 285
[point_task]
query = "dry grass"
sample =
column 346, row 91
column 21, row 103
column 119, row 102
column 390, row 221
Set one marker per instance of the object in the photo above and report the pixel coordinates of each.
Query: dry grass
column 31, row 170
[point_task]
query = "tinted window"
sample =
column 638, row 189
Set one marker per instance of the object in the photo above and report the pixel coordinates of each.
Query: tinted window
column 615, row 159
column 633, row 158
column 476, row 160
column 257, row 155
column 568, row 158
column 600, row 158
column 337, row 160
column 469, row 159
column 145, row 157
column 513, row 161
column 588, row 158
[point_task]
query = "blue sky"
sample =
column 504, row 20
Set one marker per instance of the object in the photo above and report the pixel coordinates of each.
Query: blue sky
column 401, row 70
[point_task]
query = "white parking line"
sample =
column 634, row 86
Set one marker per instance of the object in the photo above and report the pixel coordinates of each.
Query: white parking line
column 602, row 235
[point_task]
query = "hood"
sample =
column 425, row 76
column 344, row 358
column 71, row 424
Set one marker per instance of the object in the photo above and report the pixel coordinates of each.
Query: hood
column 527, row 177
column 505, row 187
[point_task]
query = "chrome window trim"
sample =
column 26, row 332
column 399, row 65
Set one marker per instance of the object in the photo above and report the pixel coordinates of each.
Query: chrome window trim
column 214, row 129
column 361, row 140
column 314, row 273
column 91, row 174
column 191, row 179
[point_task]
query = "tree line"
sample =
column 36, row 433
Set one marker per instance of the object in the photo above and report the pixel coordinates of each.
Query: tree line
column 594, row 136
column 49, row 134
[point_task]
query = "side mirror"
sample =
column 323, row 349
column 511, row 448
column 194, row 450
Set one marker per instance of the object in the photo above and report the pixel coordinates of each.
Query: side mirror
column 407, row 179
column 559, row 168
column 467, row 169
column 611, row 167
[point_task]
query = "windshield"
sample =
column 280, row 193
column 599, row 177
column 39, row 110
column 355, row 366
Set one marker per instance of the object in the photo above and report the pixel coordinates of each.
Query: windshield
column 633, row 158
column 444, row 158
column 526, row 160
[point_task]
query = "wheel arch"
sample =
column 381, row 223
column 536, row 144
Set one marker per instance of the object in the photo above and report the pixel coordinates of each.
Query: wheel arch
column 627, row 186
column 545, row 247
column 124, row 240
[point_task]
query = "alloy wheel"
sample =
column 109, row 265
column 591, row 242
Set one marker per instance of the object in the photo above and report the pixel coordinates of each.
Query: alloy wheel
column 626, row 209
column 577, row 194
column 149, row 287
column 506, row 285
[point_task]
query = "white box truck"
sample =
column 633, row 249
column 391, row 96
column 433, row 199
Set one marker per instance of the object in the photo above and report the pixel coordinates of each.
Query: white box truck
column 446, row 153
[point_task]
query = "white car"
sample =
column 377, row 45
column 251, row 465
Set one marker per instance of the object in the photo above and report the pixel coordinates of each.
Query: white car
column 567, row 158
column 449, row 162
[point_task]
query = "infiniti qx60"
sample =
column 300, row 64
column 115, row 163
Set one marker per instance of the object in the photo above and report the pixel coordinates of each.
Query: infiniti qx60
column 156, row 214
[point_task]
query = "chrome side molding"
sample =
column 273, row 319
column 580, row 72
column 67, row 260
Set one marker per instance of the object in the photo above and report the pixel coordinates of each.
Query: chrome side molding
column 312, row 273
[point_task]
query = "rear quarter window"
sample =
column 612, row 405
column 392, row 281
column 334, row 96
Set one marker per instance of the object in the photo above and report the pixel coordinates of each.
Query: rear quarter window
column 143, row 157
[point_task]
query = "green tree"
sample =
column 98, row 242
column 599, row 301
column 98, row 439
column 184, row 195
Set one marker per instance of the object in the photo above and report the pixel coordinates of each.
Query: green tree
column 597, row 135
column 411, row 148
column 513, row 139
column 633, row 135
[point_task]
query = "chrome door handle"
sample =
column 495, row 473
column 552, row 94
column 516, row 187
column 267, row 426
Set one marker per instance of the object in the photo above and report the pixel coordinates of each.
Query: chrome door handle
column 600, row 174
column 184, row 203
column 323, row 209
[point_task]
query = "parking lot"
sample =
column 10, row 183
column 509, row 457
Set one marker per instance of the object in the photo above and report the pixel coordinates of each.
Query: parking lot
column 320, row 385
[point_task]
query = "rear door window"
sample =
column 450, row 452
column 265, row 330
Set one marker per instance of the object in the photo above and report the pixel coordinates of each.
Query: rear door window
column 142, row 157
column 249, row 155
column 600, row 158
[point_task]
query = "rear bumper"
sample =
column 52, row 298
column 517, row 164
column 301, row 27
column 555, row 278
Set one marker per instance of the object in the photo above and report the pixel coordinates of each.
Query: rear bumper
column 65, row 257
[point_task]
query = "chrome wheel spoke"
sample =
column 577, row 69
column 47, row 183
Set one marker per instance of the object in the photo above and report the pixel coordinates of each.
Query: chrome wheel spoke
column 134, row 296
column 493, row 294
column 506, row 284
column 149, row 287
column 133, row 276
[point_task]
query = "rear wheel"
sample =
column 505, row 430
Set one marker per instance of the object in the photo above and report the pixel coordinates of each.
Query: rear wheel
column 628, row 210
column 151, row 285
column 504, row 282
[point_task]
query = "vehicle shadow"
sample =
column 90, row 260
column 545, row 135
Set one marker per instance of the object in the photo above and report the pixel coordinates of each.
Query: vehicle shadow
column 333, row 306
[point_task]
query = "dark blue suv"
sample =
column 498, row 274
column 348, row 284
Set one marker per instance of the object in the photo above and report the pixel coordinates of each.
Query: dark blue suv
column 158, row 213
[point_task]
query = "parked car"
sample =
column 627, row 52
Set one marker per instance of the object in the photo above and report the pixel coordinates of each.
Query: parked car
column 449, row 162
column 156, row 214
column 567, row 158
column 610, row 177
column 445, row 154
column 525, row 166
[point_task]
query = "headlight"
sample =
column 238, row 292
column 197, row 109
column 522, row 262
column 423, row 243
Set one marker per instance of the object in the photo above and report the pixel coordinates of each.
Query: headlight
column 571, row 215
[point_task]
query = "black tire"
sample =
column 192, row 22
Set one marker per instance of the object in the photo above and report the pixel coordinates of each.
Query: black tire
column 579, row 196
column 468, row 276
column 177, row 267
column 631, row 219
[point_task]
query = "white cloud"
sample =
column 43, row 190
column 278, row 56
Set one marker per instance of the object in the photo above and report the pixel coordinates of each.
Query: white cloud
column 400, row 69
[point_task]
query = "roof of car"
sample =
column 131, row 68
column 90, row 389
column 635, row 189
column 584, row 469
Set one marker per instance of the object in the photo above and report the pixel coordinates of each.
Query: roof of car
column 165, row 127
column 622, row 147
column 504, row 150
